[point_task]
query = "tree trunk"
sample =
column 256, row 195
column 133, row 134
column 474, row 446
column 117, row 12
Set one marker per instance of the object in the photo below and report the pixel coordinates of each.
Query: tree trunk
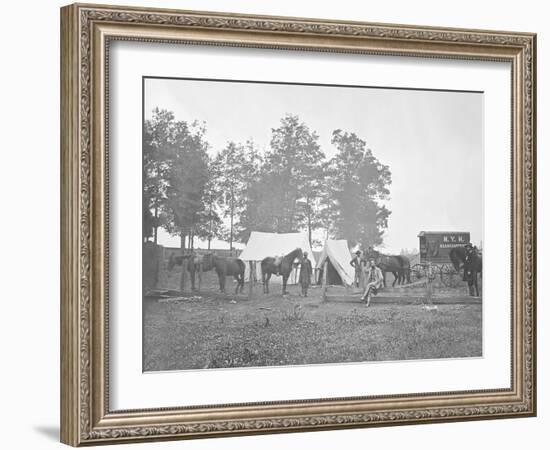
column 155, row 228
column 231, row 227
column 309, row 222
column 309, row 229
column 182, row 240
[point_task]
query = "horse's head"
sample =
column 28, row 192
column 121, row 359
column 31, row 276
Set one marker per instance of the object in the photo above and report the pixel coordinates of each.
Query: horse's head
column 207, row 261
column 174, row 260
column 371, row 253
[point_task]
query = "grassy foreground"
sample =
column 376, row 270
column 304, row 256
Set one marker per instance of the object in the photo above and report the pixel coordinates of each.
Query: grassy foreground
column 219, row 331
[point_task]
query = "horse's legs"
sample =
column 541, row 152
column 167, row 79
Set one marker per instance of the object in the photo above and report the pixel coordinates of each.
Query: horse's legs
column 242, row 280
column 471, row 287
column 384, row 278
column 475, row 284
column 395, row 278
column 285, row 279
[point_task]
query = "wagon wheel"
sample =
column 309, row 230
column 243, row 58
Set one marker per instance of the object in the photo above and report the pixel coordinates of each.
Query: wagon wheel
column 418, row 271
column 450, row 276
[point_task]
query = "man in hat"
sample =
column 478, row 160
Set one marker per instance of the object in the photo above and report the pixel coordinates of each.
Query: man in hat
column 467, row 272
column 374, row 278
column 356, row 264
column 306, row 270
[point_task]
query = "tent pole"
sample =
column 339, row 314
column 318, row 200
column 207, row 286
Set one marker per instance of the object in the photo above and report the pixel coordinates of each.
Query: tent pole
column 325, row 268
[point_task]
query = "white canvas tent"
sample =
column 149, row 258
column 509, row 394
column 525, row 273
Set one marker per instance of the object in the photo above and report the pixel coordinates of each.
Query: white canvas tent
column 338, row 255
column 261, row 245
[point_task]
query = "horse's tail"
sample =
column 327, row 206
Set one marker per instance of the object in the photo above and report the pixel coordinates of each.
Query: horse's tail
column 242, row 267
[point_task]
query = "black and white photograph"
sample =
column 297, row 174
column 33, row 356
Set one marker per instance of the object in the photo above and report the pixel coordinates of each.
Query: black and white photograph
column 294, row 224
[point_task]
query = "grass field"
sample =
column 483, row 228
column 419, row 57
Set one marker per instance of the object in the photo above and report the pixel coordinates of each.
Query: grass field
column 212, row 330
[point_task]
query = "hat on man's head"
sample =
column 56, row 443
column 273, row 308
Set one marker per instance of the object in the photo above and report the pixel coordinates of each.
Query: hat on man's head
column 358, row 252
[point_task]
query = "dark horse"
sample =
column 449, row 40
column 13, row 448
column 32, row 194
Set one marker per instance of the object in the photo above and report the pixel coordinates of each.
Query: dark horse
column 458, row 257
column 225, row 267
column 471, row 261
column 398, row 265
column 280, row 267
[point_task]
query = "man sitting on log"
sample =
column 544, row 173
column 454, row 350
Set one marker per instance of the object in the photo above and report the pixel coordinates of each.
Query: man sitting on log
column 374, row 279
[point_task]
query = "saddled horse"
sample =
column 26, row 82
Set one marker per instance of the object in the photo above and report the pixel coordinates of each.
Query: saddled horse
column 398, row 265
column 225, row 267
column 473, row 266
column 279, row 267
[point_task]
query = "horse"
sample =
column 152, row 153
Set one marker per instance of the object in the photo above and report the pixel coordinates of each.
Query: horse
column 457, row 256
column 280, row 267
column 194, row 265
column 224, row 267
column 472, row 266
column 398, row 265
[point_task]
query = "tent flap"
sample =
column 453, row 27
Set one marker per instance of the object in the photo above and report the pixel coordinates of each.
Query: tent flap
column 337, row 252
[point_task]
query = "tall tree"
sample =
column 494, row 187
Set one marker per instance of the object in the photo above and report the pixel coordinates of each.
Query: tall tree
column 210, row 224
column 359, row 184
column 157, row 148
column 292, row 175
column 236, row 165
column 187, row 180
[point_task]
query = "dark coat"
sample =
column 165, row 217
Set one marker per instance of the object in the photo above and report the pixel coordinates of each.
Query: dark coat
column 306, row 270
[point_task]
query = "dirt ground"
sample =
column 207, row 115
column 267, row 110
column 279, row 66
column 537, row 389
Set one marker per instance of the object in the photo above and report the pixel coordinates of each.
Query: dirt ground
column 213, row 330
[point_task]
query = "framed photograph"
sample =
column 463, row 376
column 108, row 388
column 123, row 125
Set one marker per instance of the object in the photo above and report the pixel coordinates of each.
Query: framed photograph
column 275, row 224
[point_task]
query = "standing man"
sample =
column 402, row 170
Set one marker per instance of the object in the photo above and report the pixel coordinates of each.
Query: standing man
column 374, row 278
column 306, row 270
column 356, row 264
column 430, row 278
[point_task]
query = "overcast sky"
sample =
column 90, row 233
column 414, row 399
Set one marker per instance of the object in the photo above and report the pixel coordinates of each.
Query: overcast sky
column 431, row 140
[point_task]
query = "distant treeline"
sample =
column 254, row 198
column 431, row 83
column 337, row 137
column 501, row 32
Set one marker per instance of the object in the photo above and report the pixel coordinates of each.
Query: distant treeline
column 292, row 186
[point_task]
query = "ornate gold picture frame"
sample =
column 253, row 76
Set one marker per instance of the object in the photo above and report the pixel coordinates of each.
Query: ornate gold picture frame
column 86, row 34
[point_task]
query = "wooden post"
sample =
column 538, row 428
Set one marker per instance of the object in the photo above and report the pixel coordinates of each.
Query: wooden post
column 325, row 268
column 251, row 277
column 182, row 279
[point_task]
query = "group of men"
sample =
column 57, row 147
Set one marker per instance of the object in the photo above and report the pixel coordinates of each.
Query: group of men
column 372, row 275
